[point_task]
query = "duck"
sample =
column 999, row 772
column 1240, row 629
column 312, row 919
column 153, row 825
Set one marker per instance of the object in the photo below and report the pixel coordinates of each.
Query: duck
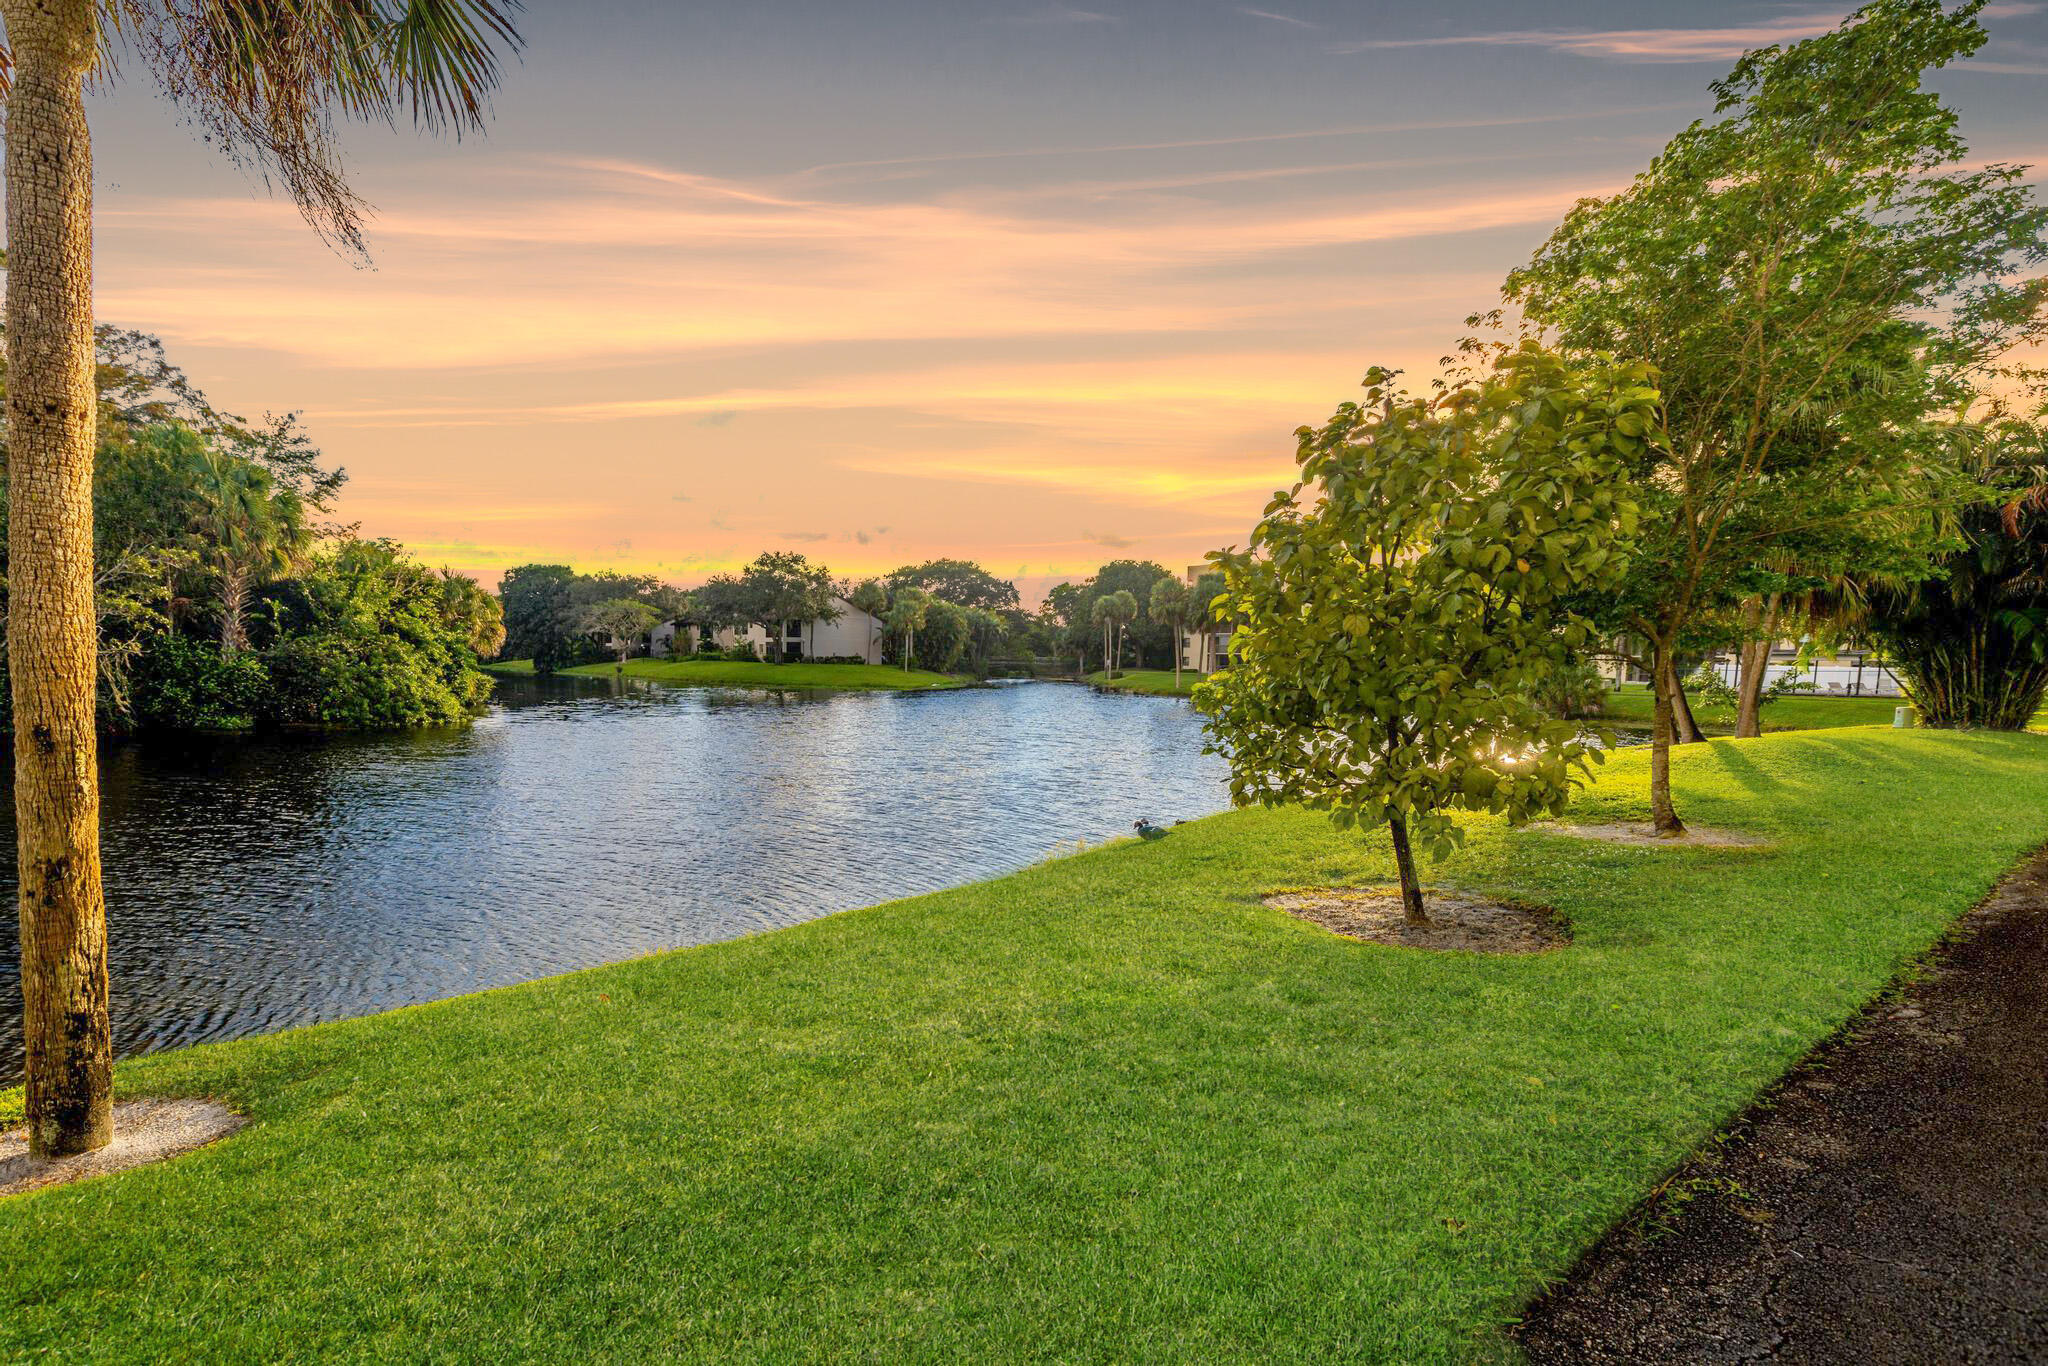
column 1148, row 831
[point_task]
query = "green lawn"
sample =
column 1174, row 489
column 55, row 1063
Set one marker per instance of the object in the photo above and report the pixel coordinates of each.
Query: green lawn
column 734, row 673
column 1631, row 707
column 1151, row 682
column 1110, row 1108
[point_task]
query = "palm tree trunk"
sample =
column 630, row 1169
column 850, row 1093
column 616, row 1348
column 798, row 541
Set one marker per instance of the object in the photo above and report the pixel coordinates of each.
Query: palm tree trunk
column 51, row 414
column 234, row 602
column 1178, row 636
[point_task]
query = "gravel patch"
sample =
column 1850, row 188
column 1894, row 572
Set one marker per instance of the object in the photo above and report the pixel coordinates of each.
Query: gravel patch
column 145, row 1131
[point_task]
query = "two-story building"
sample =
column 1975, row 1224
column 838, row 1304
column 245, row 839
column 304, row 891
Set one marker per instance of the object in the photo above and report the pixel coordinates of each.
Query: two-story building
column 852, row 634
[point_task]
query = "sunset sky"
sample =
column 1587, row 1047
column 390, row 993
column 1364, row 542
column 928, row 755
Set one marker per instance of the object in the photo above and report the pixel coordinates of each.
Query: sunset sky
column 1026, row 283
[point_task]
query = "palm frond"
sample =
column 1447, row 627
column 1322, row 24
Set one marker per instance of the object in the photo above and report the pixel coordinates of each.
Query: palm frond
column 266, row 80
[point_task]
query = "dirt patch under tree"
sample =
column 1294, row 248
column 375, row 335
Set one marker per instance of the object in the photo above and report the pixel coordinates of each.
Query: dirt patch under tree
column 1457, row 920
column 145, row 1131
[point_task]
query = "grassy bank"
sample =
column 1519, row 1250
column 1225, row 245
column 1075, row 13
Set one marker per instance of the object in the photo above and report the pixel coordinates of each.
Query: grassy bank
column 734, row 673
column 1111, row 1108
column 1151, row 682
column 1631, row 706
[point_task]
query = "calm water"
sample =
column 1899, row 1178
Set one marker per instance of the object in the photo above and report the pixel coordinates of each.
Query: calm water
column 258, row 884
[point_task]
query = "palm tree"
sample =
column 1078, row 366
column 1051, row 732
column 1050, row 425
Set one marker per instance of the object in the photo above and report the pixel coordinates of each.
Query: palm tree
column 264, row 82
column 871, row 598
column 906, row 615
column 1170, row 604
column 1113, row 612
column 249, row 529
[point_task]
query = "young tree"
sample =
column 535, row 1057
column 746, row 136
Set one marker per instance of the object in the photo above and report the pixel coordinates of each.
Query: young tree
column 1170, row 604
column 907, row 611
column 1813, row 273
column 872, row 597
column 264, row 82
column 1401, row 605
column 620, row 623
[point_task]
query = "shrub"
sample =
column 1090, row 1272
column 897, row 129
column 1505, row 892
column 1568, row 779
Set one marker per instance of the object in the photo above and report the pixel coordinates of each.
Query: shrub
column 184, row 684
column 341, row 682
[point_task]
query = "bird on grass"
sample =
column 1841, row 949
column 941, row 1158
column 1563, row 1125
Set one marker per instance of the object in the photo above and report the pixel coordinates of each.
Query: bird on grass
column 1148, row 831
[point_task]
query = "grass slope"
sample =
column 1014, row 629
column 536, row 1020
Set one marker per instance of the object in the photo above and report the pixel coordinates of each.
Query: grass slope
column 1110, row 1108
column 1151, row 682
column 735, row 673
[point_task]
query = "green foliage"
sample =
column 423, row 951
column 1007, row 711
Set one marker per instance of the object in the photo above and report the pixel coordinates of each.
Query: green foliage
column 369, row 640
column 181, row 683
column 1707, row 688
column 1820, row 273
column 1402, row 603
column 1573, row 689
column 620, row 623
column 205, row 573
column 944, row 637
column 961, row 582
column 782, row 586
column 548, row 609
column 1972, row 645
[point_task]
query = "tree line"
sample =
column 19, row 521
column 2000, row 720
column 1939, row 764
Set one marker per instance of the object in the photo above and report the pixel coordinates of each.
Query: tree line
column 943, row 614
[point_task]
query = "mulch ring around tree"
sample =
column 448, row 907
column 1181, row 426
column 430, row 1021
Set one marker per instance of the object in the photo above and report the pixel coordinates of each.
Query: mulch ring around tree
column 145, row 1131
column 1457, row 920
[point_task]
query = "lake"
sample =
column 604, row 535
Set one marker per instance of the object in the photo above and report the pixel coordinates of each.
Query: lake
column 255, row 884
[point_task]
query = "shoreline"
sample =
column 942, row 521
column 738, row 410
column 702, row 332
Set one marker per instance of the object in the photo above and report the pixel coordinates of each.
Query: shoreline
column 1112, row 1054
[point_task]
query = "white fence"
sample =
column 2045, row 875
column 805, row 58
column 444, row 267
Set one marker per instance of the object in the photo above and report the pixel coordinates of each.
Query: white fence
column 1827, row 680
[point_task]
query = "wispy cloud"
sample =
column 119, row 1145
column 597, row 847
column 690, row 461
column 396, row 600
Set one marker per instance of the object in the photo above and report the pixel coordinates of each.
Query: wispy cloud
column 1104, row 538
column 1722, row 44
column 1277, row 18
column 1061, row 14
column 622, row 260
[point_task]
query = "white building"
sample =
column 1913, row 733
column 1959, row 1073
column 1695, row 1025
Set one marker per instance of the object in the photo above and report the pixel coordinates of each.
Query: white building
column 853, row 634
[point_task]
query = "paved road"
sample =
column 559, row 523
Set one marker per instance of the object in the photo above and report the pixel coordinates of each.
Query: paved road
column 1888, row 1204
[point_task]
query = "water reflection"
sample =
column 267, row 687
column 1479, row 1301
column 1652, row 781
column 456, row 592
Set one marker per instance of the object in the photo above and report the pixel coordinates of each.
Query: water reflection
column 254, row 885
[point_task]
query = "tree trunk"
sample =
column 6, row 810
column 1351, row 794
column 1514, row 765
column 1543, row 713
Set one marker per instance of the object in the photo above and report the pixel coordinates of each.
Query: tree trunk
column 1684, row 729
column 1178, row 651
column 1662, row 813
column 234, row 602
column 52, row 635
column 1412, row 912
column 1754, row 663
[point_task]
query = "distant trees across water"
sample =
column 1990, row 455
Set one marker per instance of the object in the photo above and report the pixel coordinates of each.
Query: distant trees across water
column 947, row 615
